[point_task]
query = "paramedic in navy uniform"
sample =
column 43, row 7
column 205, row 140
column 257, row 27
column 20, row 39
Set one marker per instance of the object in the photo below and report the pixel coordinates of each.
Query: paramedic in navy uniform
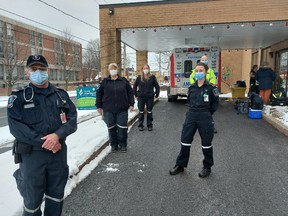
column 203, row 99
column 40, row 117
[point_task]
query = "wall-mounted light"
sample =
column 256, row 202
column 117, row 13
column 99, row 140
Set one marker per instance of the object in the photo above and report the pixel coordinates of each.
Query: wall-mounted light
column 111, row 11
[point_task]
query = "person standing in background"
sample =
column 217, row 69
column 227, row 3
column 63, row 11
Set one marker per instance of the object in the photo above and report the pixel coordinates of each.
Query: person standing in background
column 113, row 99
column 144, row 92
column 253, row 84
column 265, row 76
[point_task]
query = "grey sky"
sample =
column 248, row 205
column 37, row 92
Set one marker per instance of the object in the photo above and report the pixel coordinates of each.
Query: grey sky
column 86, row 10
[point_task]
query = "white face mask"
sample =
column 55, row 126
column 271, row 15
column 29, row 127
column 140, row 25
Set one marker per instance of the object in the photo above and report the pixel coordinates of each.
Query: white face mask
column 113, row 72
column 146, row 71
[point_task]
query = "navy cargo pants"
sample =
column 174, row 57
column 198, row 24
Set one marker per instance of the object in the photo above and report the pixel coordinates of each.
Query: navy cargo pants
column 117, row 128
column 149, row 102
column 42, row 172
column 204, row 123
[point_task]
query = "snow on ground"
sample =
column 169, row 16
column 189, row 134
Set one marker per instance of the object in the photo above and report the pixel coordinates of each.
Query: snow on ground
column 91, row 134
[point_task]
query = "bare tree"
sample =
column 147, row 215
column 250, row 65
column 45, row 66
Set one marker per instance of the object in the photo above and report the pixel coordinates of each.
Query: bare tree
column 67, row 53
column 91, row 59
column 162, row 60
column 15, row 54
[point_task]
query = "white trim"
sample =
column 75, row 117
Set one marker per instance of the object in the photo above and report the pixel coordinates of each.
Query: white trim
column 111, row 127
column 207, row 147
column 186, row 144
column 54, row 199
column 122, row 126
column 31, row 210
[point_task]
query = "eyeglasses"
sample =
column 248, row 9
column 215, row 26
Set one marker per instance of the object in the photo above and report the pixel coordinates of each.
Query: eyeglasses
column 34, row 68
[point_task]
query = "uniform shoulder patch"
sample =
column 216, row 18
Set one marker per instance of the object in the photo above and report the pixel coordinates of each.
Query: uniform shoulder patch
column 216, row 91
column 11, row 100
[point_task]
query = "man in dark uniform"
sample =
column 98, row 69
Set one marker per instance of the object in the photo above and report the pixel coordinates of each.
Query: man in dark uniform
column 40, row 117
column 203, row 99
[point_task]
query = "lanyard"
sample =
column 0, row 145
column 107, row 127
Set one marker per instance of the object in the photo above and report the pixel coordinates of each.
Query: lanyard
column 32, row 94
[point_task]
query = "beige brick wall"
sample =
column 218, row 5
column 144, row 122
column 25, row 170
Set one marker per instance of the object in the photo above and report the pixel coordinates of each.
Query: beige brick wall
column 205, row 12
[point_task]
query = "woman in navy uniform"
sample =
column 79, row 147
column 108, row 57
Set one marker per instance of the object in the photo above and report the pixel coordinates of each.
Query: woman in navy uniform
column 203, row 99
column 40, row 117
column 113, row 99
column 144, row 91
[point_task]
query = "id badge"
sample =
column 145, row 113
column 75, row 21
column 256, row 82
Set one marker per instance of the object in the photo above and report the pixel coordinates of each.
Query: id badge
column 63, row 117
column 206, row 98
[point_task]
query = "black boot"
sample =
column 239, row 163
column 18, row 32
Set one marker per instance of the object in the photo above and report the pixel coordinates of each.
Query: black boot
column 204, row 173
column 176, row 170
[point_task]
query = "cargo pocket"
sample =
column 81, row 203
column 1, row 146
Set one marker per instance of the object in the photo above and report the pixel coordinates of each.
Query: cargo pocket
column 19, row 181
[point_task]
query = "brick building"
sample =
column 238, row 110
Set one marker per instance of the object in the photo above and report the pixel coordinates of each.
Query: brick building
column 247, row 32
column 19, row 40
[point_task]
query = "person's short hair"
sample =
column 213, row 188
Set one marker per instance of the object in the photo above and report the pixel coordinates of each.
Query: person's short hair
column 112, row 65
column 204, row 65
column 36, row 59
column 264, row 64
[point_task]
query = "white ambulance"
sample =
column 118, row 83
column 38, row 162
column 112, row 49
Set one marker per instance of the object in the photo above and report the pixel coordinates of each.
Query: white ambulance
column 183, row 61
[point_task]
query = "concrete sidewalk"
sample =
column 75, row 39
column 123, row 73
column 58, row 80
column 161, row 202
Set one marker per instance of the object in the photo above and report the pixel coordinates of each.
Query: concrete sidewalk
column 276, row 123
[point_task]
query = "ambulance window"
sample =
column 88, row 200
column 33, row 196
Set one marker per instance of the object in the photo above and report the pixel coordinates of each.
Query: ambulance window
column 187, row 68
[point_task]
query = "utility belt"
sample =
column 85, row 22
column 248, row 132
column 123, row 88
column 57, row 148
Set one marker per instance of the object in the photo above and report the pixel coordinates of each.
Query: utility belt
column 20, row 148
column 199, row 110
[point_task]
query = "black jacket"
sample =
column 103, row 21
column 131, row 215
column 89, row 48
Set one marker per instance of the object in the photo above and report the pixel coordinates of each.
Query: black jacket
column 196, row 98
column 114, row 95
column 265, row 76
column 30, row 120
column 146, row 88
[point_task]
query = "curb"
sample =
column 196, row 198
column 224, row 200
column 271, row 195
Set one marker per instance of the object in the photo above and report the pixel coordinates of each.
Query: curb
column 103, row 146
column 277, row 124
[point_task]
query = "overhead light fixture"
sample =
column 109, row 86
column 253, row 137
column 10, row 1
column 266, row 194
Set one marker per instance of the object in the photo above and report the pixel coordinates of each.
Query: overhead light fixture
column 111, row 11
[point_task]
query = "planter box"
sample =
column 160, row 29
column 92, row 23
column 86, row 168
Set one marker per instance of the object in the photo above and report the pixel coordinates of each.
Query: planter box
column 238, row 92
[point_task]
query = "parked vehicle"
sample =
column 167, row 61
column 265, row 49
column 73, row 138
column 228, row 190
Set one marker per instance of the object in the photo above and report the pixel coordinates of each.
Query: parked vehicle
column 182, row 61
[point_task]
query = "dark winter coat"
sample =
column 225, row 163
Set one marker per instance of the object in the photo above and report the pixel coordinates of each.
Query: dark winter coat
column 146, row 88
column 29, row 120
column 265, row 76
column 114, row 95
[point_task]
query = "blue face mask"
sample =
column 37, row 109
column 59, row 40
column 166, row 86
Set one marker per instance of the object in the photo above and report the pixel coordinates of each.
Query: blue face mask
column 38, row 77
column 204, row 62
column 199, row 76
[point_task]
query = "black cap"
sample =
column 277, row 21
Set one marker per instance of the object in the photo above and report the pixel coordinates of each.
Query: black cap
column 36, row 59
